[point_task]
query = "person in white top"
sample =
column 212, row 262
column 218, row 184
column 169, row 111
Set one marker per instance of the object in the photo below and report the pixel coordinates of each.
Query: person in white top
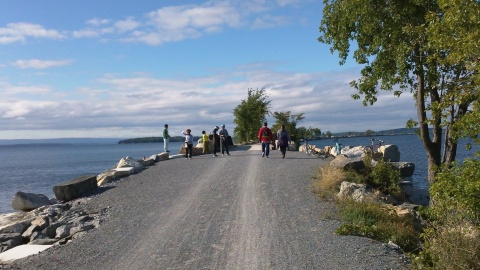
column 188, row 143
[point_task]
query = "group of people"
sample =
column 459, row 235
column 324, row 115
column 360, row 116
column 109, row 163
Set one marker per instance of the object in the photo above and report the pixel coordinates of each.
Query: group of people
column 265, row 136
column 220, row 140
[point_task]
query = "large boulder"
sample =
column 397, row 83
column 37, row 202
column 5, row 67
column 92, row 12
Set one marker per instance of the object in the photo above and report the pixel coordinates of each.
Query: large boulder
column 390, row 153
column 130, row 162
column 16, row 226
column 363, row 193
column 10, row 240
column 352, row 190
column 109, row 175
column 163, row 156
column 346, row 163
column 353, row 152
column 406, row 168
column 146, row 162
column 28, row 201
column 195, row 151
column 38, row 224
column 105, row 177
column 72, row 189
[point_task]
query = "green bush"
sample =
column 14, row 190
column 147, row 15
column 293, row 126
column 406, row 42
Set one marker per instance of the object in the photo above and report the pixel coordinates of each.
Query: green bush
column 458, row 188
column 452, row 240
column 385, row 177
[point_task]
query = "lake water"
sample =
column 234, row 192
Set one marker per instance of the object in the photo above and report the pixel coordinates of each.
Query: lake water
column 37, row 168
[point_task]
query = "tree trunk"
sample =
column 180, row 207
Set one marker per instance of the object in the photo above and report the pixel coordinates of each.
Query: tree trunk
column 432, row 147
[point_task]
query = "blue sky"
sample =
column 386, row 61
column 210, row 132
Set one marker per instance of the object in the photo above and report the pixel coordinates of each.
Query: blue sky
column 125, row 68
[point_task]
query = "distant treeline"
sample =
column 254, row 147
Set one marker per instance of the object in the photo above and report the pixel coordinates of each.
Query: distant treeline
column 154, row 140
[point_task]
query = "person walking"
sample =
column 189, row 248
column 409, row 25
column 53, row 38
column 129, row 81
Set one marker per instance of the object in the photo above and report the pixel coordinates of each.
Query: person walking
column 223, row 133
column 205, row 142
column 283, row 140
column 216, row 141
column 265, row 136
column 188, row 143
column 166, row 138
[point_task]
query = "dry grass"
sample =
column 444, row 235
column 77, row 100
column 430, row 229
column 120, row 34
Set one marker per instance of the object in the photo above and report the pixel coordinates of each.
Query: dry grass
column 327, row 181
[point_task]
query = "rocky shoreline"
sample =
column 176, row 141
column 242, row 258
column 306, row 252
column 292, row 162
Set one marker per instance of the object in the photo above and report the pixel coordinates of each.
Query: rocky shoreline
column 51, row 222
column 352, row 157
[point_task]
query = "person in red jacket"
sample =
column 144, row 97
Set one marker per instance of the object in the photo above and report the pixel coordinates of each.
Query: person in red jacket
column 265, row 136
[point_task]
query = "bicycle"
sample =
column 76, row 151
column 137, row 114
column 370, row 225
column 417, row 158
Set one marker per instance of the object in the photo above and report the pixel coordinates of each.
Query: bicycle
column 370, row 149
column 308, row 150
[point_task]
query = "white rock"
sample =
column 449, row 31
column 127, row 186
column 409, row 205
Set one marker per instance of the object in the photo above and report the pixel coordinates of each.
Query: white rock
column 21, row 251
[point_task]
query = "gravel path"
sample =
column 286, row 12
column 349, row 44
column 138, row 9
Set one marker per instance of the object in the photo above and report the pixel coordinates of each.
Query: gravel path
column 234, row 212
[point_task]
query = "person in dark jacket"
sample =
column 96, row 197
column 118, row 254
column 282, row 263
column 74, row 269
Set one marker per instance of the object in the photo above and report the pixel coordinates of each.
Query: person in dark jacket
column 283, row 140
column 216, row 141
column 223, row 133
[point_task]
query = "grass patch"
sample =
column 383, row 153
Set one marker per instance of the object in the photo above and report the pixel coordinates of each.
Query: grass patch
column 378, row 222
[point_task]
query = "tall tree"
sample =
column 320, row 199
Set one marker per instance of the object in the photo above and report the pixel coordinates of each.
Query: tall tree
column 426, row 47
column 289, row 120
column 250, row 114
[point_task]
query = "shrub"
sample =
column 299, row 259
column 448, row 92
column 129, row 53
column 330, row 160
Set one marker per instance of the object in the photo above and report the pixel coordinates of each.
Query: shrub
column 328, row 180
column 354, row 177
column 385, row 177
column 458, row 188
column 450, row 242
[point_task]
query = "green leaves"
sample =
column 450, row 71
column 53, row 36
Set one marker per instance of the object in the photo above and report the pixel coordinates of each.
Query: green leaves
column 249, row 115
column 429, row 48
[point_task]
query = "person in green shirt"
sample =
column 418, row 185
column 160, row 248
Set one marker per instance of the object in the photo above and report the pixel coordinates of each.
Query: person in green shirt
column 166, row 138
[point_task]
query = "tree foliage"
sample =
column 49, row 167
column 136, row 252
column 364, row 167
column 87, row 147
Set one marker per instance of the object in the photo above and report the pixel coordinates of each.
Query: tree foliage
column 426, row 47
column 250, row 115
column 289, row 120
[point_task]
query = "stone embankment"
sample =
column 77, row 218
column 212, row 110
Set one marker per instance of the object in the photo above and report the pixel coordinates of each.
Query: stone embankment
column 352, row 158
column 48, row 222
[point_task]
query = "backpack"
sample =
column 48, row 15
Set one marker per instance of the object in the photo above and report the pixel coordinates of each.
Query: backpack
column 265, row 133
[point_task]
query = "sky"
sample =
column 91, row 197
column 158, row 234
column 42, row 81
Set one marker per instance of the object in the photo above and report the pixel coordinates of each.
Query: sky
column 123, row 69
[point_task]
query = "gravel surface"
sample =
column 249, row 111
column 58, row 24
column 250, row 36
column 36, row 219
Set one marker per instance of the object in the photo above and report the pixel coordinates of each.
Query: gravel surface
column 233, row 212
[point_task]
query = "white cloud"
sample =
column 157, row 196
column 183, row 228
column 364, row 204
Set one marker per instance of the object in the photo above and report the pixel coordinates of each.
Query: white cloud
column 126, row 25
column 143, row 103
column 41, row 64
column 180, row 22
column 269, row 21
column 17, row 32
column 97, row 22
column 86, row 33
column 14, row 90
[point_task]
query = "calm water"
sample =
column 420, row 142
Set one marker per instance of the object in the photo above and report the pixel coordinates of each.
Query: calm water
column 37, row 168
